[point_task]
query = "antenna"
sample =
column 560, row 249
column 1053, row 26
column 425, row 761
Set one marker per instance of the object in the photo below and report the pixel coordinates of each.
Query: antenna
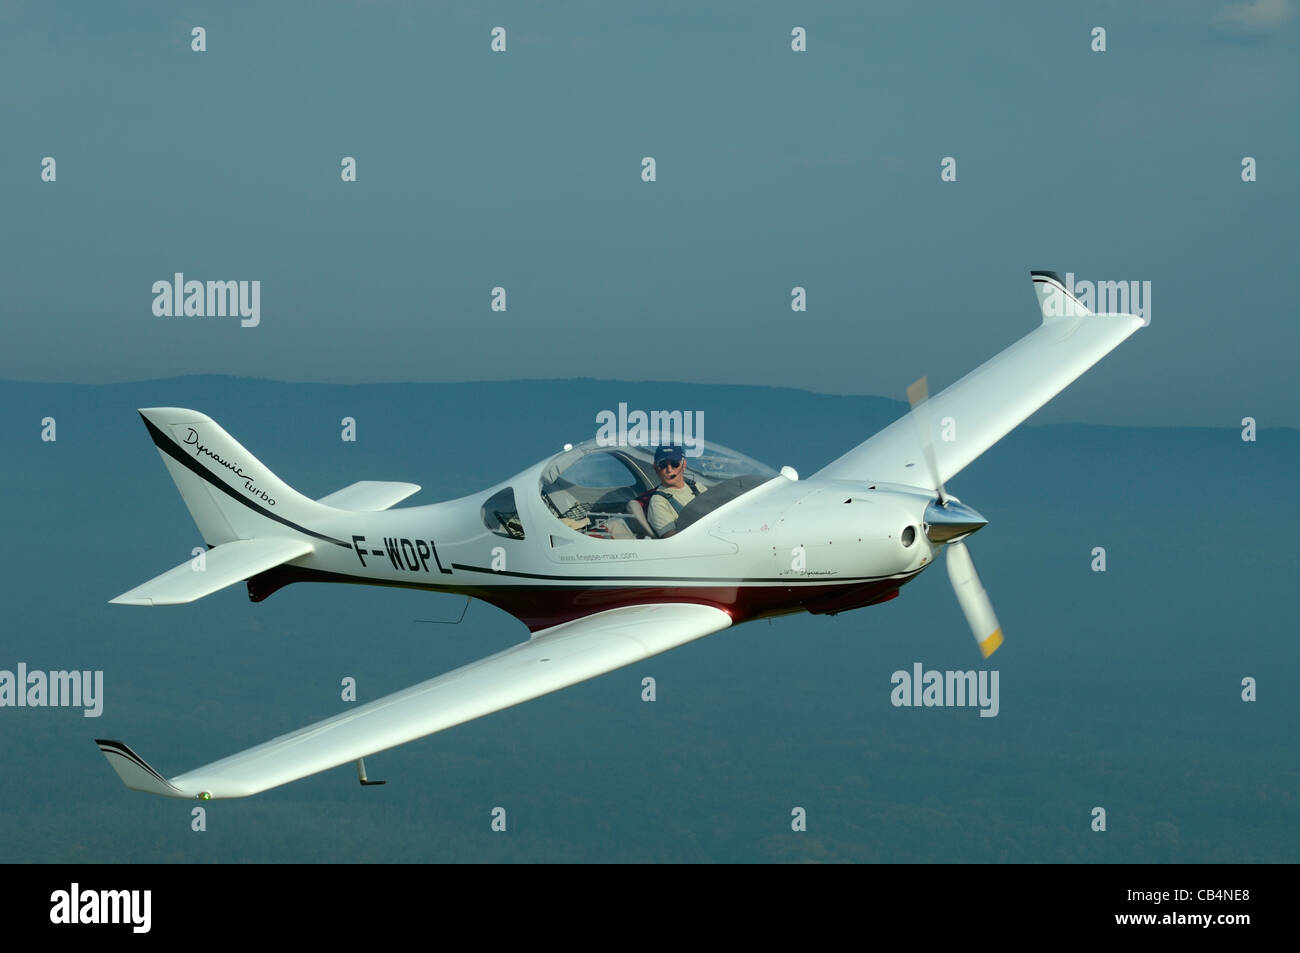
column 444, row 621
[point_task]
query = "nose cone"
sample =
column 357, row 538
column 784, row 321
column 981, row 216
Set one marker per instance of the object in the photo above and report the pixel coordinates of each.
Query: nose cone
column 952, row 521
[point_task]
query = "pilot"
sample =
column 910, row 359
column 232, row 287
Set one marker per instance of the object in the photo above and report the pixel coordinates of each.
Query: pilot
column 674, row 491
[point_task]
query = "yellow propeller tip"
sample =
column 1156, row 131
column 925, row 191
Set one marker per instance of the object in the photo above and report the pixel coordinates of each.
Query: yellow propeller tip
column 990, row 645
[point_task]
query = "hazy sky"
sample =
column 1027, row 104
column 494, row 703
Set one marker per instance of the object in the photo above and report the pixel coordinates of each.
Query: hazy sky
column 775, row 169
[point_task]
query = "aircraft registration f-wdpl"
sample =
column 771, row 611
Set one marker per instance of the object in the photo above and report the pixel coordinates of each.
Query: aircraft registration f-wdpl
column 574, row 548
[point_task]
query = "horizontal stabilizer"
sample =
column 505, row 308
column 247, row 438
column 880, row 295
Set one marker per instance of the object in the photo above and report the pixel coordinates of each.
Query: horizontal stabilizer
column 369, row 496
column 222, row 566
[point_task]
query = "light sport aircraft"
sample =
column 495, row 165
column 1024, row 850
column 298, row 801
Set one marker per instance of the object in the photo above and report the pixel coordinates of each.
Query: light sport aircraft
column 565, row 547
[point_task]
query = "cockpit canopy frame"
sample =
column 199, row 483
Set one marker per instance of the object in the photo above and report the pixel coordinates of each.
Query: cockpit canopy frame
column 593, row 488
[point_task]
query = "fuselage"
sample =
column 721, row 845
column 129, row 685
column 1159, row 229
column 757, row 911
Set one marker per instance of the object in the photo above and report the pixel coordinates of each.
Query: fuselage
column 782, row 546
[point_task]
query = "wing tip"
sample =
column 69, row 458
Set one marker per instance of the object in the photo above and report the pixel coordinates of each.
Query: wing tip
column 126, row 599
column 134, row 771
column 1055, row 299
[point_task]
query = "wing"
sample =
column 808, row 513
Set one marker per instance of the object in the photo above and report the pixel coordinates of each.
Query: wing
column 369, row 495
column 223, row 565
column 553, row 658
column 993, row 399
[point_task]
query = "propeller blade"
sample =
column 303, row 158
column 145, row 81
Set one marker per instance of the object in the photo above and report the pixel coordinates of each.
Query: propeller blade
column 947, row 519
column 972, row 598
column 918, row 392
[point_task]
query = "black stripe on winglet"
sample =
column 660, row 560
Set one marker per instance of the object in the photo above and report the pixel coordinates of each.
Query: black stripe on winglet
column 1048, row 274
column 119, row 748
column 170, row 447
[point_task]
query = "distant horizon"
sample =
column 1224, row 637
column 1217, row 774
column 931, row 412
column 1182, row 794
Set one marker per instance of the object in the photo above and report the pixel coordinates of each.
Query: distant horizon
column 1033, row 421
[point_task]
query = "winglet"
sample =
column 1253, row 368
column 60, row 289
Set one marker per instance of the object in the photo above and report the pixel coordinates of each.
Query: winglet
column 135, row 772
column 997, row 396
column 1055, row 298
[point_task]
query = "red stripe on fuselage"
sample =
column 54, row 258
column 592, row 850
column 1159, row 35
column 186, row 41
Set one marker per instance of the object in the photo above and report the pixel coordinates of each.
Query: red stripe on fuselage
column 542, row 606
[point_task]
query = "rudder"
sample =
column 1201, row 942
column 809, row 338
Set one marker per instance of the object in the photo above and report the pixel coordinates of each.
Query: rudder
column 229, row 492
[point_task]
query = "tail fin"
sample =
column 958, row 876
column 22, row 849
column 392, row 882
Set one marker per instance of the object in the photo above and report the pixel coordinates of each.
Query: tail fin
column 229, row 492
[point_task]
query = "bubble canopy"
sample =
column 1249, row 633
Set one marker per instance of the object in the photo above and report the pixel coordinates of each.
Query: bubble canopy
column 593, row 487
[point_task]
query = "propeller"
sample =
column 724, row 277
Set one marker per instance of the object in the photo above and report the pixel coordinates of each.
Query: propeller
column 972, row 598
column 949, row 521
column 918, row 392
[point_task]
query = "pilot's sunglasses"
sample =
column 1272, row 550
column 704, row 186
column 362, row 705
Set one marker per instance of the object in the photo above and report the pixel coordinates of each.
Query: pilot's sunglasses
column 668, row 464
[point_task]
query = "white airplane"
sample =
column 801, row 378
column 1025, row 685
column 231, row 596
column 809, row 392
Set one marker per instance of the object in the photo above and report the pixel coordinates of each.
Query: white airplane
column 568, row 546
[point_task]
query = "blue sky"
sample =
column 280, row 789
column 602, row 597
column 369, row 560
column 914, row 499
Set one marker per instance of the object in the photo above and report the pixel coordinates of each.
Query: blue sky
column 775, row 169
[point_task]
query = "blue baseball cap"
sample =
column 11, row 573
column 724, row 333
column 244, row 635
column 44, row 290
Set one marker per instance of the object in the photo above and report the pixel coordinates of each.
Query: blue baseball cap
column 673, row 454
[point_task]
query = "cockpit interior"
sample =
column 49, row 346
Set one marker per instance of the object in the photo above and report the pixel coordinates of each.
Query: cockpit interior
column 603, row 491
